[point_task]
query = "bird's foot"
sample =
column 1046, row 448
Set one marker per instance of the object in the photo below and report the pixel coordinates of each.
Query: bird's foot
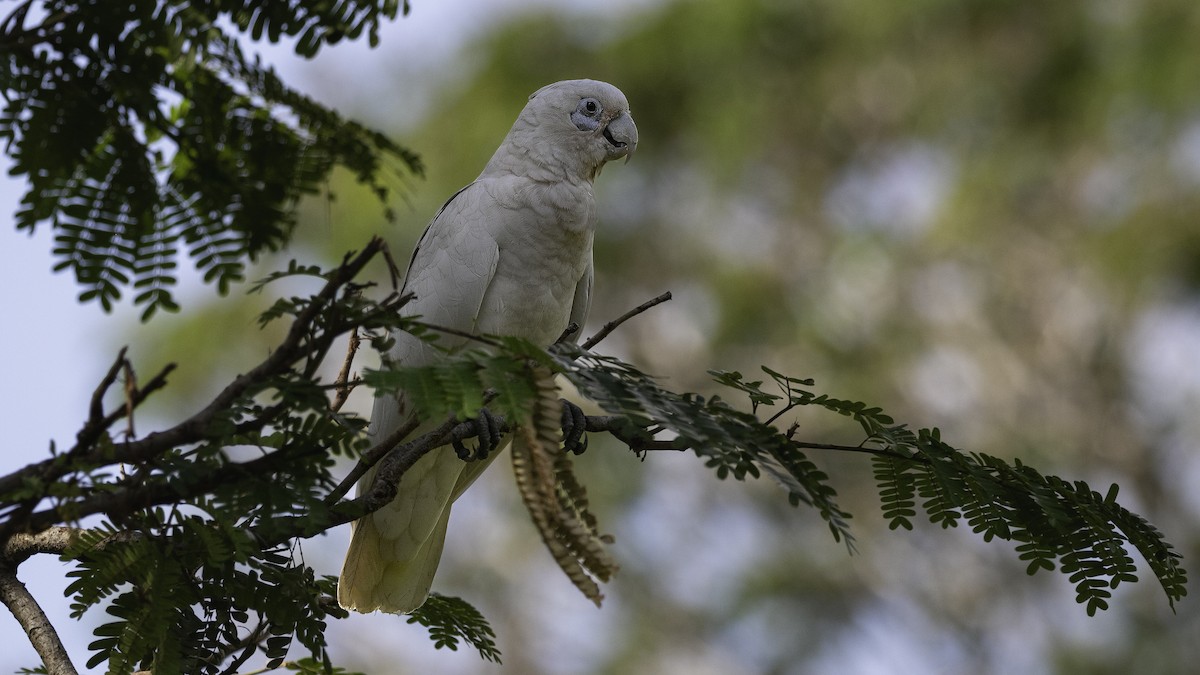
column 574, row 424
column 487, row 430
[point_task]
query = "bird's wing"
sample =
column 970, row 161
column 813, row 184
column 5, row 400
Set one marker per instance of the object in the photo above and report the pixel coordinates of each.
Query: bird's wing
column 395, row 550
column 583, row 302
column 452, row 266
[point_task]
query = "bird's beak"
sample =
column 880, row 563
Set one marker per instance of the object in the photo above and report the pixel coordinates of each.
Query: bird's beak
column 621, row 134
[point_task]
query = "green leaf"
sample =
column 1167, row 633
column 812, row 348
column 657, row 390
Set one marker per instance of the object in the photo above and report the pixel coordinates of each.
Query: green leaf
column 451, row 620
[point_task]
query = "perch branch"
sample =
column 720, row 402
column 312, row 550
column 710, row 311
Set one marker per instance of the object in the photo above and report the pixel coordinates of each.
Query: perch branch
column 370, row 458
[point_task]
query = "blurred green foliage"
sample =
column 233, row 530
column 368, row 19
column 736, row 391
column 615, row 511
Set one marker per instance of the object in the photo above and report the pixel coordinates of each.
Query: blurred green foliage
column 972, row 212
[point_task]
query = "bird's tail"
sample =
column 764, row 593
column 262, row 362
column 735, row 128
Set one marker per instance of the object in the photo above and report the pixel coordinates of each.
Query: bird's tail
column 394, row 552
column 374, row 578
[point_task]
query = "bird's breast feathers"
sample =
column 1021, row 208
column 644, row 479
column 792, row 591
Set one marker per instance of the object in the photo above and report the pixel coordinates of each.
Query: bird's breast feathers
column 544, row 238
column 504, row 257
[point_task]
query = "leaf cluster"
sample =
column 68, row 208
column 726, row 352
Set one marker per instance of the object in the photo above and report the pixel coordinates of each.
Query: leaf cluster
column 451, row 620
column 1055, row 522
column 194, row 557
column 732, row 442
column 146, row 134
column 192, row 591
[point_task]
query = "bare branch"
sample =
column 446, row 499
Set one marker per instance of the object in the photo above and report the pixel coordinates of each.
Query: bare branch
column 29, row 614
column 53, row 540
column 21, row 546
column 342, row 385
column 97, row 423
column 96, row 408
column 571, row 329
column 195, row 428
column 394, row 272
column 612, row 325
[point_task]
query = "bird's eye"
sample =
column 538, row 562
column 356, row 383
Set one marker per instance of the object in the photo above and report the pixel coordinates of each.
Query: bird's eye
column 587, row 114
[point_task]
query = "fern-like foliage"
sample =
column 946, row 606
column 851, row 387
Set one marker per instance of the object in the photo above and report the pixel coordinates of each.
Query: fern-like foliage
column 146, row 134
column 731, row 441
column 451, row 620
column 1055, row 523
column 195, row 560
column 181, row 595
column 200, row 576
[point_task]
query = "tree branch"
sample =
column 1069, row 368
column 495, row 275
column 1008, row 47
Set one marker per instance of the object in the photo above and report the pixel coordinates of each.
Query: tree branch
column 195, row 428
column 612, row 325
column 342, row 385
column 53, row 540
column 34, row 622
column 370, row 458
column 19, row 547
column 640, row 443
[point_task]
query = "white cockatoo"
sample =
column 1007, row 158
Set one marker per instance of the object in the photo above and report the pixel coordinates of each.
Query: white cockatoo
column 509, row 254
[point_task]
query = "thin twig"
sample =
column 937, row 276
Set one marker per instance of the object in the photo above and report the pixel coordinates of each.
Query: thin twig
column 47, row 471
column 96, row 407
column 131, row 395
column 863, row 449
column 248, row 645
column 482, row 339
column 342, row 385
column 265, row 669
column 639, row 442
column 393, row 269
column 571, row 329
column 612, row 325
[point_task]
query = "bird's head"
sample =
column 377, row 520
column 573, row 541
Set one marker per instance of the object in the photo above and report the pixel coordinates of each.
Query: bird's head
column 577, row 125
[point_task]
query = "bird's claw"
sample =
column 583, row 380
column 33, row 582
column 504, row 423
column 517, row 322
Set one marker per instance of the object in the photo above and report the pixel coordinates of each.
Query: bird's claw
column 574, row 424
column 487, row 430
